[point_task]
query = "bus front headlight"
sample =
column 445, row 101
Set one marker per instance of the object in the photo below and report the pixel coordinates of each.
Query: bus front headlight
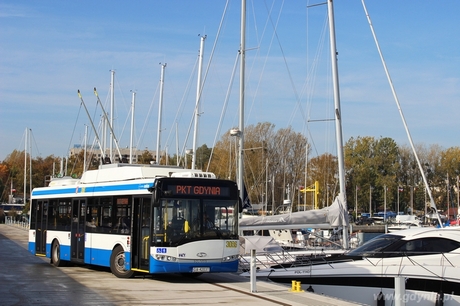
column 165, row 258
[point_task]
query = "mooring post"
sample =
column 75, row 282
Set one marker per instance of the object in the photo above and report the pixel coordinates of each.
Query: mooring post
column 400, row 291
column 296, row 286
column 253, row 270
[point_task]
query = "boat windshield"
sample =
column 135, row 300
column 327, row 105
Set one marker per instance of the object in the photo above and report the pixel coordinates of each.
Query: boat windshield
column 375, row 246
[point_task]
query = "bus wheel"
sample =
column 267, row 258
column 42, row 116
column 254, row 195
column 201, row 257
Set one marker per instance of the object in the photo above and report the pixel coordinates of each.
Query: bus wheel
column 117, row 263
column 56, row 255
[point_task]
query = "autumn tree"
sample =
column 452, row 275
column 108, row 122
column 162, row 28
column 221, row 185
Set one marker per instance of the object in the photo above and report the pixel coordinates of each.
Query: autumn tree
column 44, row 169
column 288, row 164
column 145, row 158
column 258, row 151
column 450, row 169
column 14, row 163
column 273, row 162
column 4, row 174
column 221, row 162
column 413, row 193
column 76, row 163
column 324, row 169
column 275, row 167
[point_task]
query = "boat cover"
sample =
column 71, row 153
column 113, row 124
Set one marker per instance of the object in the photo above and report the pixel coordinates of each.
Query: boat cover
column 327, row 217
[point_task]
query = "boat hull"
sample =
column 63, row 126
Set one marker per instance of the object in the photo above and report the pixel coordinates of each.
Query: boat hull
column 362, row 281
column 370, row 295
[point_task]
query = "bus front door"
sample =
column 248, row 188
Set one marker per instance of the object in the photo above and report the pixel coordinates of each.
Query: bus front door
column 41, row 217
column 140, row 252
column 77, row 240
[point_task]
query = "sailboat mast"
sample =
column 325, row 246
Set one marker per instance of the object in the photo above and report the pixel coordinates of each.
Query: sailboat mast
column 177, row 146
column 198, row 96
column 131, row 139
column 338, row 123
column 160, row 110
column 241, row 108
column 112, row 133
column 92, row 125
column 84, row 149
column 112, row 107
column 30, row 165
column 10, row 198
column 25, row 164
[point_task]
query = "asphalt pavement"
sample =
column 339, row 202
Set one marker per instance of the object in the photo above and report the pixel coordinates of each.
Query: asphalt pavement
column 29, row 280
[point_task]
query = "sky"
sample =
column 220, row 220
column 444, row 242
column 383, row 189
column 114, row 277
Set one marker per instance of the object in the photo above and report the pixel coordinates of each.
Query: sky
column 51, row 49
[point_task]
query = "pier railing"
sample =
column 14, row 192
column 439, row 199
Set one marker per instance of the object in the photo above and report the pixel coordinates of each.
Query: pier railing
column 20, row 224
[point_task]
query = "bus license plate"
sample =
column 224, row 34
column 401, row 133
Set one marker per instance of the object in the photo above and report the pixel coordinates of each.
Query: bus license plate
column 201, row 269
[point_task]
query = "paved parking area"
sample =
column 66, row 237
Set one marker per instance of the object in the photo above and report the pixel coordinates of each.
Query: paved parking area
column 29, row 280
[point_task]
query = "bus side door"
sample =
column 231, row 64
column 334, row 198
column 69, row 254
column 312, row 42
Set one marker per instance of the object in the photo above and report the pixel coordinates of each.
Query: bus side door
column 41, row 217
column 140, row 244
column 77, row 234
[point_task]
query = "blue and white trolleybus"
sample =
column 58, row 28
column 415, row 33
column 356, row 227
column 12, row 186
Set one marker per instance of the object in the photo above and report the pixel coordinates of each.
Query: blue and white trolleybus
column 138, row 218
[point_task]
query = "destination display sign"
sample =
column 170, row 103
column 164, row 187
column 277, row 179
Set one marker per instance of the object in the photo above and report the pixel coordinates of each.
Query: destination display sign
column 199, row 190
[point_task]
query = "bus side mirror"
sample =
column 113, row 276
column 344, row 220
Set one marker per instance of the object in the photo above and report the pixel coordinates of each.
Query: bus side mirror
column 155, row 196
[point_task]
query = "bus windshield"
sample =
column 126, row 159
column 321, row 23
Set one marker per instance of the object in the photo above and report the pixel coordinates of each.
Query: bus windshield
column 180, row 220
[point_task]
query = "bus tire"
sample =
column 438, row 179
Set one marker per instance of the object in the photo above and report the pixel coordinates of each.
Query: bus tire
column 117, row 263
column 56, row 254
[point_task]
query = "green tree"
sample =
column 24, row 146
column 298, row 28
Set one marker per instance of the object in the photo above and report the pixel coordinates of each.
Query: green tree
column 360, row 169
column 387, row 164
column 203, row 154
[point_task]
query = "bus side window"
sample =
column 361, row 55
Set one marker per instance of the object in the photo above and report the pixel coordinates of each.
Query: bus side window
column 123, row 221
column 53, row 214
column 106, row 222
column 63, row 219
column 91, row 219
column 106, row 219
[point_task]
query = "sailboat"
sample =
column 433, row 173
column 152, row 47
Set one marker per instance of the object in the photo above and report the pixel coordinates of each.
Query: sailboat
column 410, row 267
column 334, row 216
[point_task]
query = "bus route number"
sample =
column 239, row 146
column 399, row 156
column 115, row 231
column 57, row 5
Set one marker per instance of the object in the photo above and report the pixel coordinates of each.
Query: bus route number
column 231, row 244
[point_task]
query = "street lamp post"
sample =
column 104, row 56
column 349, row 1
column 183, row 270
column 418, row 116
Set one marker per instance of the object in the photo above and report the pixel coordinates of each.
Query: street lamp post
column 356, row 201
column 458, row 200
column 266, row 185
column 448, row 198
column 370, row 201
column 239, row 134
column 411, row 200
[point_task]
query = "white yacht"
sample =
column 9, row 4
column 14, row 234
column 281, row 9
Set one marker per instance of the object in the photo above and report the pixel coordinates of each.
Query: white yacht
column 404, row 222
column 426, row 259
